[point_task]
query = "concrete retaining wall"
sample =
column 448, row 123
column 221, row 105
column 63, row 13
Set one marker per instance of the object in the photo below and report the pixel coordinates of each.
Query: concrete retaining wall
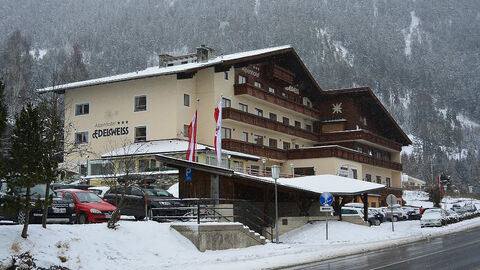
column 219, row 236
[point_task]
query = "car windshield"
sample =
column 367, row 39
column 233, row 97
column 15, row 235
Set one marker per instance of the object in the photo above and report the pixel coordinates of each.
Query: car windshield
column 88, row 197
column 158, row 192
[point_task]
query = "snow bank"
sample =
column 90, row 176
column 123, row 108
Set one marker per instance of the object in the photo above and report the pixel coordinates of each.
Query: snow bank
column 151, row 245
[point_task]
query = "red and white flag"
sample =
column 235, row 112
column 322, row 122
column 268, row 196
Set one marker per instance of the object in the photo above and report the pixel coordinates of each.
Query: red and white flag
column 192, row 138
column 218, row 132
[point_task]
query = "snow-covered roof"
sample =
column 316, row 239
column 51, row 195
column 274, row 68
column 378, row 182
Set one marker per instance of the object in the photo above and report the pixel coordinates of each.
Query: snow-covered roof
column 168, row 146
column 406, row 177
column 322, row 183
column 131, row 174
column 158, row 71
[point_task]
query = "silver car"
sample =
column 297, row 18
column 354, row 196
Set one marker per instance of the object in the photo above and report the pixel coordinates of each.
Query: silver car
column 433, row 217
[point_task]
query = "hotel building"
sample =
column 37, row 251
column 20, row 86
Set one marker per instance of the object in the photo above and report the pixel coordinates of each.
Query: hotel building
column 273, row 111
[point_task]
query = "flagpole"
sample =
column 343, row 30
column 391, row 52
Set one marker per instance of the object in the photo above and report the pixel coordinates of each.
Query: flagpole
column 219, row 160
column 196, row 129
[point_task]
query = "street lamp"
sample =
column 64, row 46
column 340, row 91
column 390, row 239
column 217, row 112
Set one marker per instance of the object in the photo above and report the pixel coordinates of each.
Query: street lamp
column 264, row 168
column 276, row 175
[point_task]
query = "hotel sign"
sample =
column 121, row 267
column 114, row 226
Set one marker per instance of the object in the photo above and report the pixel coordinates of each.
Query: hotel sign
column 109, row 129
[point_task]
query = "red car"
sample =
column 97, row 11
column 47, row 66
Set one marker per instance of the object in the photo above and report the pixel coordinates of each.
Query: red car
column 90, row 208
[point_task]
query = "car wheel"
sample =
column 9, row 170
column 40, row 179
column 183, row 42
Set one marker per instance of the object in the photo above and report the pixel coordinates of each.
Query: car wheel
column 377, row 222
column 21, row 218
column 139, row 217
column 82, row 219
column 422, row 226
column 395, row 218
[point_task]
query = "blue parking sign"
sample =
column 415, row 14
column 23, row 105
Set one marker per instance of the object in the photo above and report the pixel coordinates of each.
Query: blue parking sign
column 326, row 198
column 188, row 174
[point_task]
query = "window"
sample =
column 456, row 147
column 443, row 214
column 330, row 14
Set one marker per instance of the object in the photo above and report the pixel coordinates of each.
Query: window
column 226, row 103
column 354, row 173
column 140, row 134
column 154, row 165
column 286, row 145
column 81, row 137
column 373, row 204
column 379, row 155
column 298, row 124
column 271, row 90
column 258, row 112
column 185, row 130
column 140, row 104
column 272, row 143
column 257, row 84
column 225, row 75
column 254, row 169
column 388, row 181
column 258, row 139
column 237, row 165
column 297, row 146
column 368, row 177
column 211, row 161
column 243, row 107
column 68, row 197
column 379, row 179
column 186, row 100
column 286, row 121
column 241, row 79
column 143, row 165
column 245, row 136
column 82, row 109
column 308, row 127
column 273, row 117
column 226, row 133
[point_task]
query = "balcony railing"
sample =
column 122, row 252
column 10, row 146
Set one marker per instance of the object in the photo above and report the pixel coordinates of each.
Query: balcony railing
column 259, row 121
column 341, row 152
column 254, row 149
column 280, row 74
column 251, row 90
column 359, row 135
column 304, row 153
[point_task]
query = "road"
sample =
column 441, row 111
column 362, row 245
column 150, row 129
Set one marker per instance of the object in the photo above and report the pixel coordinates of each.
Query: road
column 453, row 251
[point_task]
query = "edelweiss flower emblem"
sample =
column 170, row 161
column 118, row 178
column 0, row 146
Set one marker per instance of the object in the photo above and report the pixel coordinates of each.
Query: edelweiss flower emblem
column 337, row 108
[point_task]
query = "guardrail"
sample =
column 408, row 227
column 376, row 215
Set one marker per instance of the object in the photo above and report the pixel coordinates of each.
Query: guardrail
column 204, row 210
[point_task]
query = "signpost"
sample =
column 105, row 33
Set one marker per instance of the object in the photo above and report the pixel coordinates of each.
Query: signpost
column 391, row 201
column 326, row 199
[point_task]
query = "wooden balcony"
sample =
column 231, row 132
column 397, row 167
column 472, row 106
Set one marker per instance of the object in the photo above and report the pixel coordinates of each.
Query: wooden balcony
column 259, row 121
column 254, row 149
column 341, row 152
column 361, row 134
column 248, row 89
column 279, row 74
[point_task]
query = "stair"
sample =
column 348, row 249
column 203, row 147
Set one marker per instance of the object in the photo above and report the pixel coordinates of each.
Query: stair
column 254, row 235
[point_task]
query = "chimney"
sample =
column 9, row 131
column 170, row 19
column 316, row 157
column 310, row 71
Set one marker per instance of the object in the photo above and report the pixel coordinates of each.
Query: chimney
column 204, row 53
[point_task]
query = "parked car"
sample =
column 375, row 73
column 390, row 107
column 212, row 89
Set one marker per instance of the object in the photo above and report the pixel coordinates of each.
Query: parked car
column 61, row 211
column 433, row 217
column 355, row 211
column 100, row 191
column 459, row 209
column 413, row 213
column 452, row 216
column 470, row 207
column 383, row 212
column 136, row 197
column 90, row 208
column 396, row 213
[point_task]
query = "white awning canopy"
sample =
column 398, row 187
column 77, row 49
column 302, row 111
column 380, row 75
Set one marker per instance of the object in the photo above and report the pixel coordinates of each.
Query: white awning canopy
column 334, row 184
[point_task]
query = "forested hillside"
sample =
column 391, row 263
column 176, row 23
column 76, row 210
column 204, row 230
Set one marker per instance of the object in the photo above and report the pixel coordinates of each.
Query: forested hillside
column 422, row 58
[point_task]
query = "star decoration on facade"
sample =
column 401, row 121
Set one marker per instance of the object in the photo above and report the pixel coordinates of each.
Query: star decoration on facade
column 337, row 108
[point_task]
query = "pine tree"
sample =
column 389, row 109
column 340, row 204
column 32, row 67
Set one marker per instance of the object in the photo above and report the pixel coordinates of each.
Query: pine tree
column 24, row 166
column 3, row 124
column 52, row 148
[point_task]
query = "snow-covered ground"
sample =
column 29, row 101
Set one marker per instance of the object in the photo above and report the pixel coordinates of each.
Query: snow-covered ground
column 152, row 245
column 420, row 198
